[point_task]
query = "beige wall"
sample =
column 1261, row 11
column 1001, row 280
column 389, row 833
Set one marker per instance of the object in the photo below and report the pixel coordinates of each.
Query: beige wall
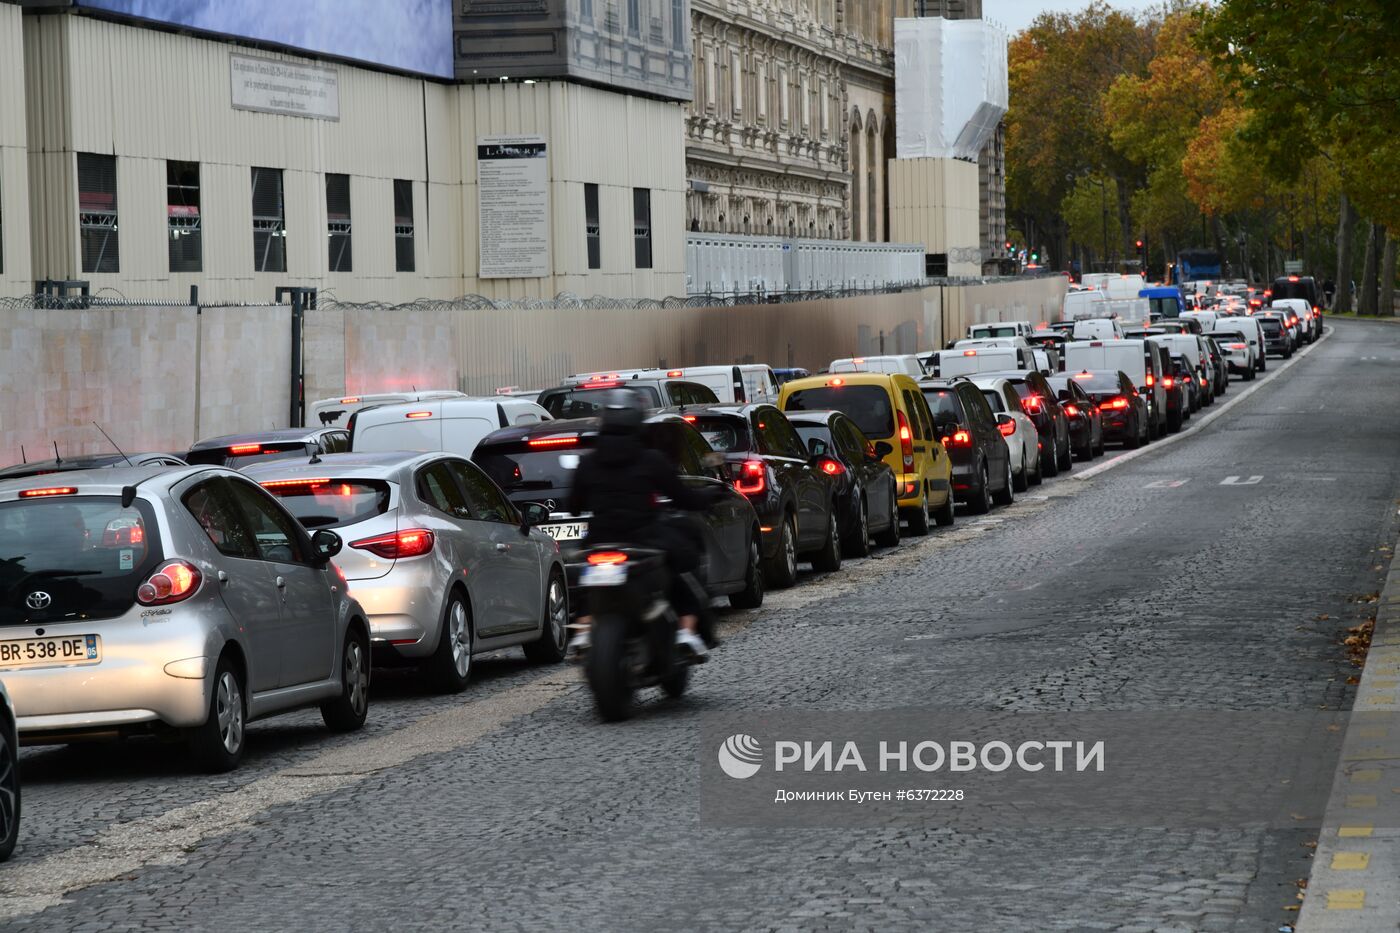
column 149, row 96
column 936, row 202
column 14, row 176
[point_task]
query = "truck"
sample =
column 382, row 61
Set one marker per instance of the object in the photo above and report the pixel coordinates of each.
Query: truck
column 1193, row 265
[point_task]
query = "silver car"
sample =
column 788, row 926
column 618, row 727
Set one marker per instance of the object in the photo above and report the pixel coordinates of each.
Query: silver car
column 444, row 564
column 9, row 776
column 153, row 599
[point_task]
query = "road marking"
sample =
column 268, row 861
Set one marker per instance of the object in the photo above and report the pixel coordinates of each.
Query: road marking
column 1168, row 484
column 1361, row 801
column 1355, row 832
column 1350, row 861
column 1366, row 776
column 1236, row 481
column 1346, row 899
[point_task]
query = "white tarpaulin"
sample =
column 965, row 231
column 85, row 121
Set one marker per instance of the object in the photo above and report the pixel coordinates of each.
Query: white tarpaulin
column 950, row 86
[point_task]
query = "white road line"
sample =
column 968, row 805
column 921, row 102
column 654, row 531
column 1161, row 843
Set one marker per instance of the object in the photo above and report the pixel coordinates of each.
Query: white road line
column 1168, row 483
column 1200, row 422
column 1237, row 481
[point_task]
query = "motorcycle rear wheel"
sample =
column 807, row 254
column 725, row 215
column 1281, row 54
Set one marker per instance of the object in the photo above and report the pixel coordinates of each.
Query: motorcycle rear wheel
column 609, row 670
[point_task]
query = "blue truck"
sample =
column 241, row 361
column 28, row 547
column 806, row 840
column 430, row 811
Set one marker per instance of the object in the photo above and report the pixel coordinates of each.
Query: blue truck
column 1165, row 300
column 1195, row 265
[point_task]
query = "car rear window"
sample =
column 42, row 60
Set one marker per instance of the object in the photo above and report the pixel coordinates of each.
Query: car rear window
column 868, row 406
column 240, row 455
column 588, row 403
column 726, row 435
column 519, row 467
column 87, row 554
column 330, row 503
column 814, row 432
column 1098, row 381
column 944, row 404
column 1272, row 325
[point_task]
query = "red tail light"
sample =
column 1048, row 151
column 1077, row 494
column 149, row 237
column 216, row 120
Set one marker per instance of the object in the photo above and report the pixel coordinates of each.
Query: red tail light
column 350, row 400
column 753, row 477
column 49, row 491
column 1167, row 381
column 837, row 382
column 1237, row 346
column 413, row 542
column 689, row 419
column 958, row 439
column 607, row 558
column 241, row 449
column 1071, row 410
column 1203, row 380
column 1031, row 403
column 1151, row 380
column 172, row 581
column 568, row 441
column 906, row 441
column 1115, row 403
column 674, row 374
column 1007, row 428
column 969, row 353
column 832, row 468
column 285, row 483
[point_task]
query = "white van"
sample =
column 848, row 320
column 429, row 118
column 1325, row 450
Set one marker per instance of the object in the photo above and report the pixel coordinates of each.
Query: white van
column 1000, row 329
column 1187, row 345
column 1124, row 286
column 945, row 364
column 336, row 412
column 1129, row 311
column 1084, row 304
column 738, row 384
column 1017, row 341
column 1098, row 280
column 1207, row 319
column 456, row 425
column 1097, row 328
column 907, row 363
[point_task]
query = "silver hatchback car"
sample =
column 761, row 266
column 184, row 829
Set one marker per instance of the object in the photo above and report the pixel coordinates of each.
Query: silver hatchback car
column 444, row 564
column 153, row 599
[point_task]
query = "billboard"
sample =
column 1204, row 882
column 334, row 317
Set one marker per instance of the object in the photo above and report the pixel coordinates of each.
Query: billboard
column 407, row 35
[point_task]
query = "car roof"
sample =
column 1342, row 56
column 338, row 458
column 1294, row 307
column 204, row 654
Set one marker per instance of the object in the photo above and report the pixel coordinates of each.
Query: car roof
column 112, row 480
column 281, row 435
column 78, row 462
column 347, row 465
column 812, row 417
column 862, row 378
column 583, row 427
column 738, row 409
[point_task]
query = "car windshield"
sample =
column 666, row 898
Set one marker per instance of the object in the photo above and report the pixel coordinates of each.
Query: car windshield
column 588, row 403
column 868, row 406
column 518, row 467
column 73, row 557
column 1098, row 381
column 1008, row 330
column 237, row 456
column 724, row 434
column 328, row 503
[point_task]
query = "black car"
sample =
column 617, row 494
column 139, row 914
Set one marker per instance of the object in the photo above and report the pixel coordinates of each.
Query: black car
column 239, row 450
column 1185, row 374
column 586, row 399
column 1219, row 368
column 770, row 464
column 537, row 463
column 1276, row 338
column 980, row 458
column 1123, row 410
column 1085, row 422
column 1178, row 403
column 1299, row 286
column 867, row 496
column 1041, row 404
column 88, row 462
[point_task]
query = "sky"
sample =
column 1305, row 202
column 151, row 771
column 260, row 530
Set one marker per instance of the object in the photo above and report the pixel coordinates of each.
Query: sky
column 1016, row 15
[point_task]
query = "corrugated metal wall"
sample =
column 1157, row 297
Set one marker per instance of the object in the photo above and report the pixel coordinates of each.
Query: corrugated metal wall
column 14, row 170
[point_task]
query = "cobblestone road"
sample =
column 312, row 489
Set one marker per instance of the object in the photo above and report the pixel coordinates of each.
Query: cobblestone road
column 510, row 807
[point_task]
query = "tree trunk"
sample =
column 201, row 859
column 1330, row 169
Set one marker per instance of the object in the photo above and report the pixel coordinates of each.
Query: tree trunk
column 1127, row 236
column 1368, row 273
column 1387, row 303
column 1346, row 227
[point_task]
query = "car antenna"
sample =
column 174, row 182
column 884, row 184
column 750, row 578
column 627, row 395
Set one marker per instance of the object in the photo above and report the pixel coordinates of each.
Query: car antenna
column 315, row 458
column 113, row 443
column 22, row 457
column 56, row 458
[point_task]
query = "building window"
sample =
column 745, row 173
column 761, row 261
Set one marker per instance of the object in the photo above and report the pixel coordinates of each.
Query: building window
column 936, row 265
column 641, row 225
column 97, row 211
column 182, row 216
column 634, row 18
column 592, row 228
column 338, row 222
column 679, row 18
column 269, row 221
column 404, row 260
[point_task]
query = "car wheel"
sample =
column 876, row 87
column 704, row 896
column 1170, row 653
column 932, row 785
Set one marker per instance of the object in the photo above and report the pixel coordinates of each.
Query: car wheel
column 1263, row 364
column 552, row 644
column 1066, row 462
column 451, row 664
column 782, row 569
column 1133, row 440
column 891, row 535
column 751, row 596
column 980, row 502
column 1038, row 476
column 9, row 792
column 218, row 744
column 918, row 518
column 1020, row 480
column 348, row 712
column 1050, row 467
column 858, row 544
column 828, row 559
column 944, row 516
column 1251, row 373
column 1007, row 495
column 1173, row 422
column 1100, row 450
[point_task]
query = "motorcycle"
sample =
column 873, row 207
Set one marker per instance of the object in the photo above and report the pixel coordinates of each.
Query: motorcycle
column 627, row 592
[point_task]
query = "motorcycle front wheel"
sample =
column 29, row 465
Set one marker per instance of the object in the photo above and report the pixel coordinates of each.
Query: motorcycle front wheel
column 609, row 669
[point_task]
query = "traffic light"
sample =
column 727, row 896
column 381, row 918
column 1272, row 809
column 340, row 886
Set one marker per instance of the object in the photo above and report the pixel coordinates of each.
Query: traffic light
column 1035, row 257
column 1008, row 246
column 1139, row 246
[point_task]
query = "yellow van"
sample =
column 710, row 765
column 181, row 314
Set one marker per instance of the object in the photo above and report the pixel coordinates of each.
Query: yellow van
column 890, row 409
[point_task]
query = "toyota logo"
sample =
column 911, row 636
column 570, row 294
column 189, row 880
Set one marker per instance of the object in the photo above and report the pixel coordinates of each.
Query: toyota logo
column 38, row 600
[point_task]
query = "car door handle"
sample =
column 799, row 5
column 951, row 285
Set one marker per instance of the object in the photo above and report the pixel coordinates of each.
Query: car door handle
column 281, row 583
column 223, row 577
column 503, row 547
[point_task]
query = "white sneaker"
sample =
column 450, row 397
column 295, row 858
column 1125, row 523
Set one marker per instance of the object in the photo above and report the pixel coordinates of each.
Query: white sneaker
column 580, row 643
column 691, row 644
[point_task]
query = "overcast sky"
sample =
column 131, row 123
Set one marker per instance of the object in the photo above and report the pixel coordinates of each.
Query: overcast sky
column 1016, row 15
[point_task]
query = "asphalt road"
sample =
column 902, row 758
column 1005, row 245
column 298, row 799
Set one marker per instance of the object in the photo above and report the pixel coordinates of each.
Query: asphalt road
column 1156, row 584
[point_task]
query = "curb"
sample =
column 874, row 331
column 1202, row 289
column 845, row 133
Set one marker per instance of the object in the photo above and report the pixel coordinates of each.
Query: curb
column 1199, row 422
column 1354, row 885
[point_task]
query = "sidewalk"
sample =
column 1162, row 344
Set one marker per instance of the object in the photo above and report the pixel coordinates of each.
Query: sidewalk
column 1355, row 882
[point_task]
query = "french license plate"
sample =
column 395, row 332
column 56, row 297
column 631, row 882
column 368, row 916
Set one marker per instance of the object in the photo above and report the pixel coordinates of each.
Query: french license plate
column 603, row 575
column 48, row 652
column 566, row 531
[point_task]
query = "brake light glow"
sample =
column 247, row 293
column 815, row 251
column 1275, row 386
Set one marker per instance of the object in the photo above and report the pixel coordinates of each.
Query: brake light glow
column 674, row 374
column 1031, row 403
column 415, row 415
column 1167, row 382
column 352, row 400
column 1115, row 403
column 606, row 558
column 1237, row 346
column 832, row 468
column 604, row 384
column 240, row 449
column 49, row 491
column 412, row 542
column 906, row 441
column 753, row 477
column 1152, row 381
column 568, row 440
column 689, row 419
column 969, row 353
column 282, row 483
column 1071, row 410
column 958, row 439
column 858, row 361
column 172, row 581
column 1203, row 380
column 1292, row 278
column 1084, row 375
column 1007, row 428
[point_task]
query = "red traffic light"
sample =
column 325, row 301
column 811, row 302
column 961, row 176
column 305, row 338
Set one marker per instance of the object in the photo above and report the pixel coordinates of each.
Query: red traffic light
column 1139, row 244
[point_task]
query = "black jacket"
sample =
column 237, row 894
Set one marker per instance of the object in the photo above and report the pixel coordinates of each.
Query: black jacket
column 620, row 482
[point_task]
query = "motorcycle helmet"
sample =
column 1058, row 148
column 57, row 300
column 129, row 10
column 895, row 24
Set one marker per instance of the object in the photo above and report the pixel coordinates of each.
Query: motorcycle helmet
column 623, row 412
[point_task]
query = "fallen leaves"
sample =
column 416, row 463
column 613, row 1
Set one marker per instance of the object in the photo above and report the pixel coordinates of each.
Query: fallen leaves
column 1358, row 642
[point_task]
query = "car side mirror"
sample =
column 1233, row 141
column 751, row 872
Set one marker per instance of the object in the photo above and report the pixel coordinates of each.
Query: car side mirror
column 1004, row 418
column 883, row 449
column 713, row 460
column 326, row 544
column 531, row 516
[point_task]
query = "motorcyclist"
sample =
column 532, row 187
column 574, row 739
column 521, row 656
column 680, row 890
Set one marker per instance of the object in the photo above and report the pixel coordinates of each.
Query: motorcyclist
column 620, row 483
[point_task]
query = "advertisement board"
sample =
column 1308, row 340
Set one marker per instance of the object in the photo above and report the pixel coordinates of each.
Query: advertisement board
column 512, row 180
column 407, row 35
